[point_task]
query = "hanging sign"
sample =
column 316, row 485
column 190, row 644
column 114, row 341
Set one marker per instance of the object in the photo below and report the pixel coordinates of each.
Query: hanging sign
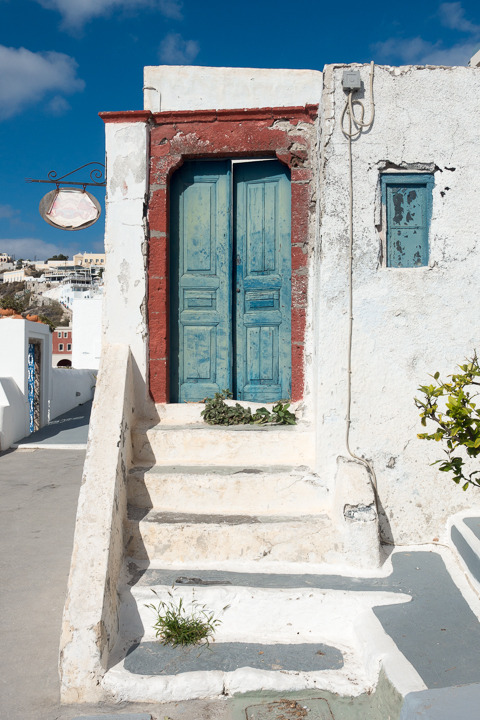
column 69, row 208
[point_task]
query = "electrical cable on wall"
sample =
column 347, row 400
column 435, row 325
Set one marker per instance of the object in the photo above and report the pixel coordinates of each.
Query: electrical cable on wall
column 356, row 125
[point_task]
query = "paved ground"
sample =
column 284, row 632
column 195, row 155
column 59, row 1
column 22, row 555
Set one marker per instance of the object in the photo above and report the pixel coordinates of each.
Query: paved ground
column 38, row 498
column 69, row 430
column 38, row 501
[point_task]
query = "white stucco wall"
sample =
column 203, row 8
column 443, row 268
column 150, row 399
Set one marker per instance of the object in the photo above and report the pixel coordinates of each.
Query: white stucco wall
column 124, row 307
column 70, row 388
column 408, row 322
column 13, row 414
column 177, row 87
column 14, row 337
column 87, row 332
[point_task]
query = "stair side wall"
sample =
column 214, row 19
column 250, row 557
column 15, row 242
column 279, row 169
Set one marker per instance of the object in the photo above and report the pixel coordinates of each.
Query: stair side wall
column 90, row 619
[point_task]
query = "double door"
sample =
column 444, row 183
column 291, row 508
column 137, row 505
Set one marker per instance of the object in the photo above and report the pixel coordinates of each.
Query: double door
column 230, row 274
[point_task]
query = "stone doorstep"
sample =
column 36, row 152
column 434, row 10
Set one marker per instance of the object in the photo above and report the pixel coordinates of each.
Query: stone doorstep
column 193, row 538
column 202, row 444
column 223, row 490
column 162, row 517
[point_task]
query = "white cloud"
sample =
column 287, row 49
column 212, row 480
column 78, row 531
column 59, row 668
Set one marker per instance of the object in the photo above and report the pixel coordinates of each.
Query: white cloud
column 452, row 15
column 58, row 106
column 171, row 9
column 28, row 248
column 8, row 212
column 75, row 13
column 174, row 50
column 417, row 51
column 26, row 77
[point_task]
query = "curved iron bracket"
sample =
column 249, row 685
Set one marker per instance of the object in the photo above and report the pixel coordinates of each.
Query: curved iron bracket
column 96, row 175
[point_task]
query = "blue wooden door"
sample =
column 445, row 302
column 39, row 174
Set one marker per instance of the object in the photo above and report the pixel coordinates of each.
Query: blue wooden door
column 262, row 281
column 201, row 270
column 230, row 283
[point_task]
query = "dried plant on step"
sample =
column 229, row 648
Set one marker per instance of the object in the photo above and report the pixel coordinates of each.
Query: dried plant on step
column 217, row 412
column 177, row 626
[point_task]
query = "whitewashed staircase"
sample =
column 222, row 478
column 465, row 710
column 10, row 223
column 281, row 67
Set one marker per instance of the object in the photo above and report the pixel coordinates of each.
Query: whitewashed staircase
column 206, row 494
column 238, row 499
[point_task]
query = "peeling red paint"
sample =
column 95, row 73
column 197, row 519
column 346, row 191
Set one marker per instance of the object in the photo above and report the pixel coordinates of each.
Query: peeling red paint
column 176, row 136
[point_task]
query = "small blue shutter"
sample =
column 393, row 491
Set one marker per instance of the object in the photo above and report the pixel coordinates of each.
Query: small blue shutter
column 408, row 201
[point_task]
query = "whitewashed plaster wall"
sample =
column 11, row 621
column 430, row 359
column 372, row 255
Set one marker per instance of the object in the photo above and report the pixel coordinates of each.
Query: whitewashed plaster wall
column 124, row 306
column 70, row 387
column 178, row 87
column 13, row 413
column 14, row 338
column 87, row 332
column 408, row 322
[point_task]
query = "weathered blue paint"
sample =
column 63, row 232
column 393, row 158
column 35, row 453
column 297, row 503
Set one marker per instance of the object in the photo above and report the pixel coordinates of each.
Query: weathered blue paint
column 262, row 281
column 407, row 199
column 201, row 328
column 31, row 385
column 230, row 286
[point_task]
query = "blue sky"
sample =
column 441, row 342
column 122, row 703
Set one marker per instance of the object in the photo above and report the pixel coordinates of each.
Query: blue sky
column 63, row 61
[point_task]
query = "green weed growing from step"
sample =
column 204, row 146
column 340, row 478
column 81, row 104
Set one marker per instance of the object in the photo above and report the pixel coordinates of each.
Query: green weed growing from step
column 177, row 626
column 217, row 412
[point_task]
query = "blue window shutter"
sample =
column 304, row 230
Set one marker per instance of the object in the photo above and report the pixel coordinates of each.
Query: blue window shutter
column 408, row 206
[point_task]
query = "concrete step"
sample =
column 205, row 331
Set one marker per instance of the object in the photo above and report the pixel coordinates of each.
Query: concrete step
column 228, row 489
column 271, row 639
column 174, row 537
column 191, row 412
column 202, row 444
column 465, row 543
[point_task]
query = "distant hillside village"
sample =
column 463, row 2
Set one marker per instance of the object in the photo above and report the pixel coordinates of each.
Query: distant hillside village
column 62, row 293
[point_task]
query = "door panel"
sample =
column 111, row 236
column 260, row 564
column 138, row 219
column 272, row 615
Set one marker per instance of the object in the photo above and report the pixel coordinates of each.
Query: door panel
column 201, row 328
column 208, row 328
column 262, row 283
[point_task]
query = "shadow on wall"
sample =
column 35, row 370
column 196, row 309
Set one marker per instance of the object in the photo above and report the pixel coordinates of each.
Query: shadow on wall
column 70, row 389
column 13, row 413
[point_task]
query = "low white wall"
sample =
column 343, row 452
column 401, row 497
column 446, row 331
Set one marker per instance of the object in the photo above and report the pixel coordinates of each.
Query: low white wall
column 13, row 413
column 66, row 383
column 90, row 619
column 87, row 332
column 178, row 87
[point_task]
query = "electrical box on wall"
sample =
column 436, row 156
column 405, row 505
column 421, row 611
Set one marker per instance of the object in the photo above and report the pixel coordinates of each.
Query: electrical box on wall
column 351, row 80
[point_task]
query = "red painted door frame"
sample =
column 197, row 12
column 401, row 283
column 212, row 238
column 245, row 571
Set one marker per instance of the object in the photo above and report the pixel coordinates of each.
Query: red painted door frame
column 284, row 133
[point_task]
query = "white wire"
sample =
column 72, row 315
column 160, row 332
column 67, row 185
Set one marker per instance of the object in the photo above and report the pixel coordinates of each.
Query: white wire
column 355, row 128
